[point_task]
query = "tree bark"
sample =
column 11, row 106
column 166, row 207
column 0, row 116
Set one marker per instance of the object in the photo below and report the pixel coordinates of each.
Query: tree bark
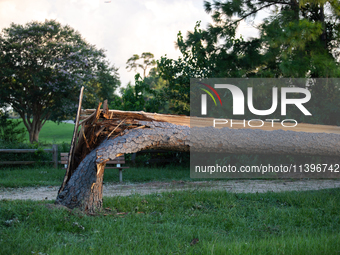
column 34, row 135
column 33, row 127
column 84, row 188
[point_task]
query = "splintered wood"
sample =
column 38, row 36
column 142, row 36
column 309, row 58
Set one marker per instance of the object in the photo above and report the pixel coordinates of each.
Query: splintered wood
column 99, row 124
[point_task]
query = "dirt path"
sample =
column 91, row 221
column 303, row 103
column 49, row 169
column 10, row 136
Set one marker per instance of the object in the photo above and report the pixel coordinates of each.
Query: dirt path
column 235, row 186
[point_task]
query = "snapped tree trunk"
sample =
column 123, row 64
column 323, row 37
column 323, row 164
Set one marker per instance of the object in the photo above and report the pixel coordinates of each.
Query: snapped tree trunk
column 83, row 186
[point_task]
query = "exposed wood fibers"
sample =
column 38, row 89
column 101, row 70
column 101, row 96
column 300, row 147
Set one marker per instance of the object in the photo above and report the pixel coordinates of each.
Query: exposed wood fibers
column 100, row 124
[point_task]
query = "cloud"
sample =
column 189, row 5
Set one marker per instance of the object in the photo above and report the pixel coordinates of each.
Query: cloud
column 122, row 28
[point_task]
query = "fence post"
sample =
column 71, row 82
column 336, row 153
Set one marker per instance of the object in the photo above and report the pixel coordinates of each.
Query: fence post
column 55, row 155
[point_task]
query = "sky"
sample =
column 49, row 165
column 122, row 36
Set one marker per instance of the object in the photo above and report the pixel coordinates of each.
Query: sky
column 121, row 27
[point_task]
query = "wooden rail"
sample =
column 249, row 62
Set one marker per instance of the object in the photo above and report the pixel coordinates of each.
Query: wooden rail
column 117, row 161
column 54, row 152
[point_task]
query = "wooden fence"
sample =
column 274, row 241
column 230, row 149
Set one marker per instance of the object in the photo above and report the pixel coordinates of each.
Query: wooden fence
column 54, row 152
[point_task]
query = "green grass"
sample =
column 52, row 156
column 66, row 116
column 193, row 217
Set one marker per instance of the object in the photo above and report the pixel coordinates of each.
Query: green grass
column 52, row 133
column 167, row 223
column 29, row 176
column 26, row 176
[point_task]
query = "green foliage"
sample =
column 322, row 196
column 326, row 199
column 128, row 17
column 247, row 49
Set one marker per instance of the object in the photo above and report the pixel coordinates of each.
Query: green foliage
column 64, row 147
column 10, row 132
column 298, row 39
column 39, row 156
column 147, row 61
column 101, row 88
column 143, row 96
column 133, row 97
column 203, row 58
column 148, row 93
column 307, row 38
column 42, row 67
column 51, row 133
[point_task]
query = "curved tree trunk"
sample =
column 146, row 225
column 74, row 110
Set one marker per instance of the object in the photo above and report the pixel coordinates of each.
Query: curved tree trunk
column 84, row 187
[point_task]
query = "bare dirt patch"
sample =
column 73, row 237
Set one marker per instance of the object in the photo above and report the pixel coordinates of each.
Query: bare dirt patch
column 234, row 186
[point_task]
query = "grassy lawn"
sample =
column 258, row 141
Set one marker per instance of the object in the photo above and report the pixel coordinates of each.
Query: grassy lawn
column 179, row 222
column 52, row 133
column 189, row 222
column 24, row 176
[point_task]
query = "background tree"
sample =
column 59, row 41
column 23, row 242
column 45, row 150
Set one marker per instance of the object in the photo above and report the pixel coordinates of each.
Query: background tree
column 302, row 35
column 147, row 61
column 157, row 100
column 146, row 94
column 298, row 39
column 42, row 67
column 132, row 98
column 143, row 96
column 101, row 88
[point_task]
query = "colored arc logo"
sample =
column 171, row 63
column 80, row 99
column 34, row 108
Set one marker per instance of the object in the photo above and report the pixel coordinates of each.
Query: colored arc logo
column 213, row 90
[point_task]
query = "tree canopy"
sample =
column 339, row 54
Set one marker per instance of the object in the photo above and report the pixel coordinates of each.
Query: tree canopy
column 298, row 39
column 146, row 94
column 42, row 67
column 147, row 61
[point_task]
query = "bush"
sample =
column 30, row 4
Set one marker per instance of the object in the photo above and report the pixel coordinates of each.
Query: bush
column 9, row 131
column 39, row 156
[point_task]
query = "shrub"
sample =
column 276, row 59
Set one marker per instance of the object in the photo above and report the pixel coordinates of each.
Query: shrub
column 9, row 130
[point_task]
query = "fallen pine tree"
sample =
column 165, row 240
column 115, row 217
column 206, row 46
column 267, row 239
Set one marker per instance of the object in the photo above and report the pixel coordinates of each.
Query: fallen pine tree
column 106, row 134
